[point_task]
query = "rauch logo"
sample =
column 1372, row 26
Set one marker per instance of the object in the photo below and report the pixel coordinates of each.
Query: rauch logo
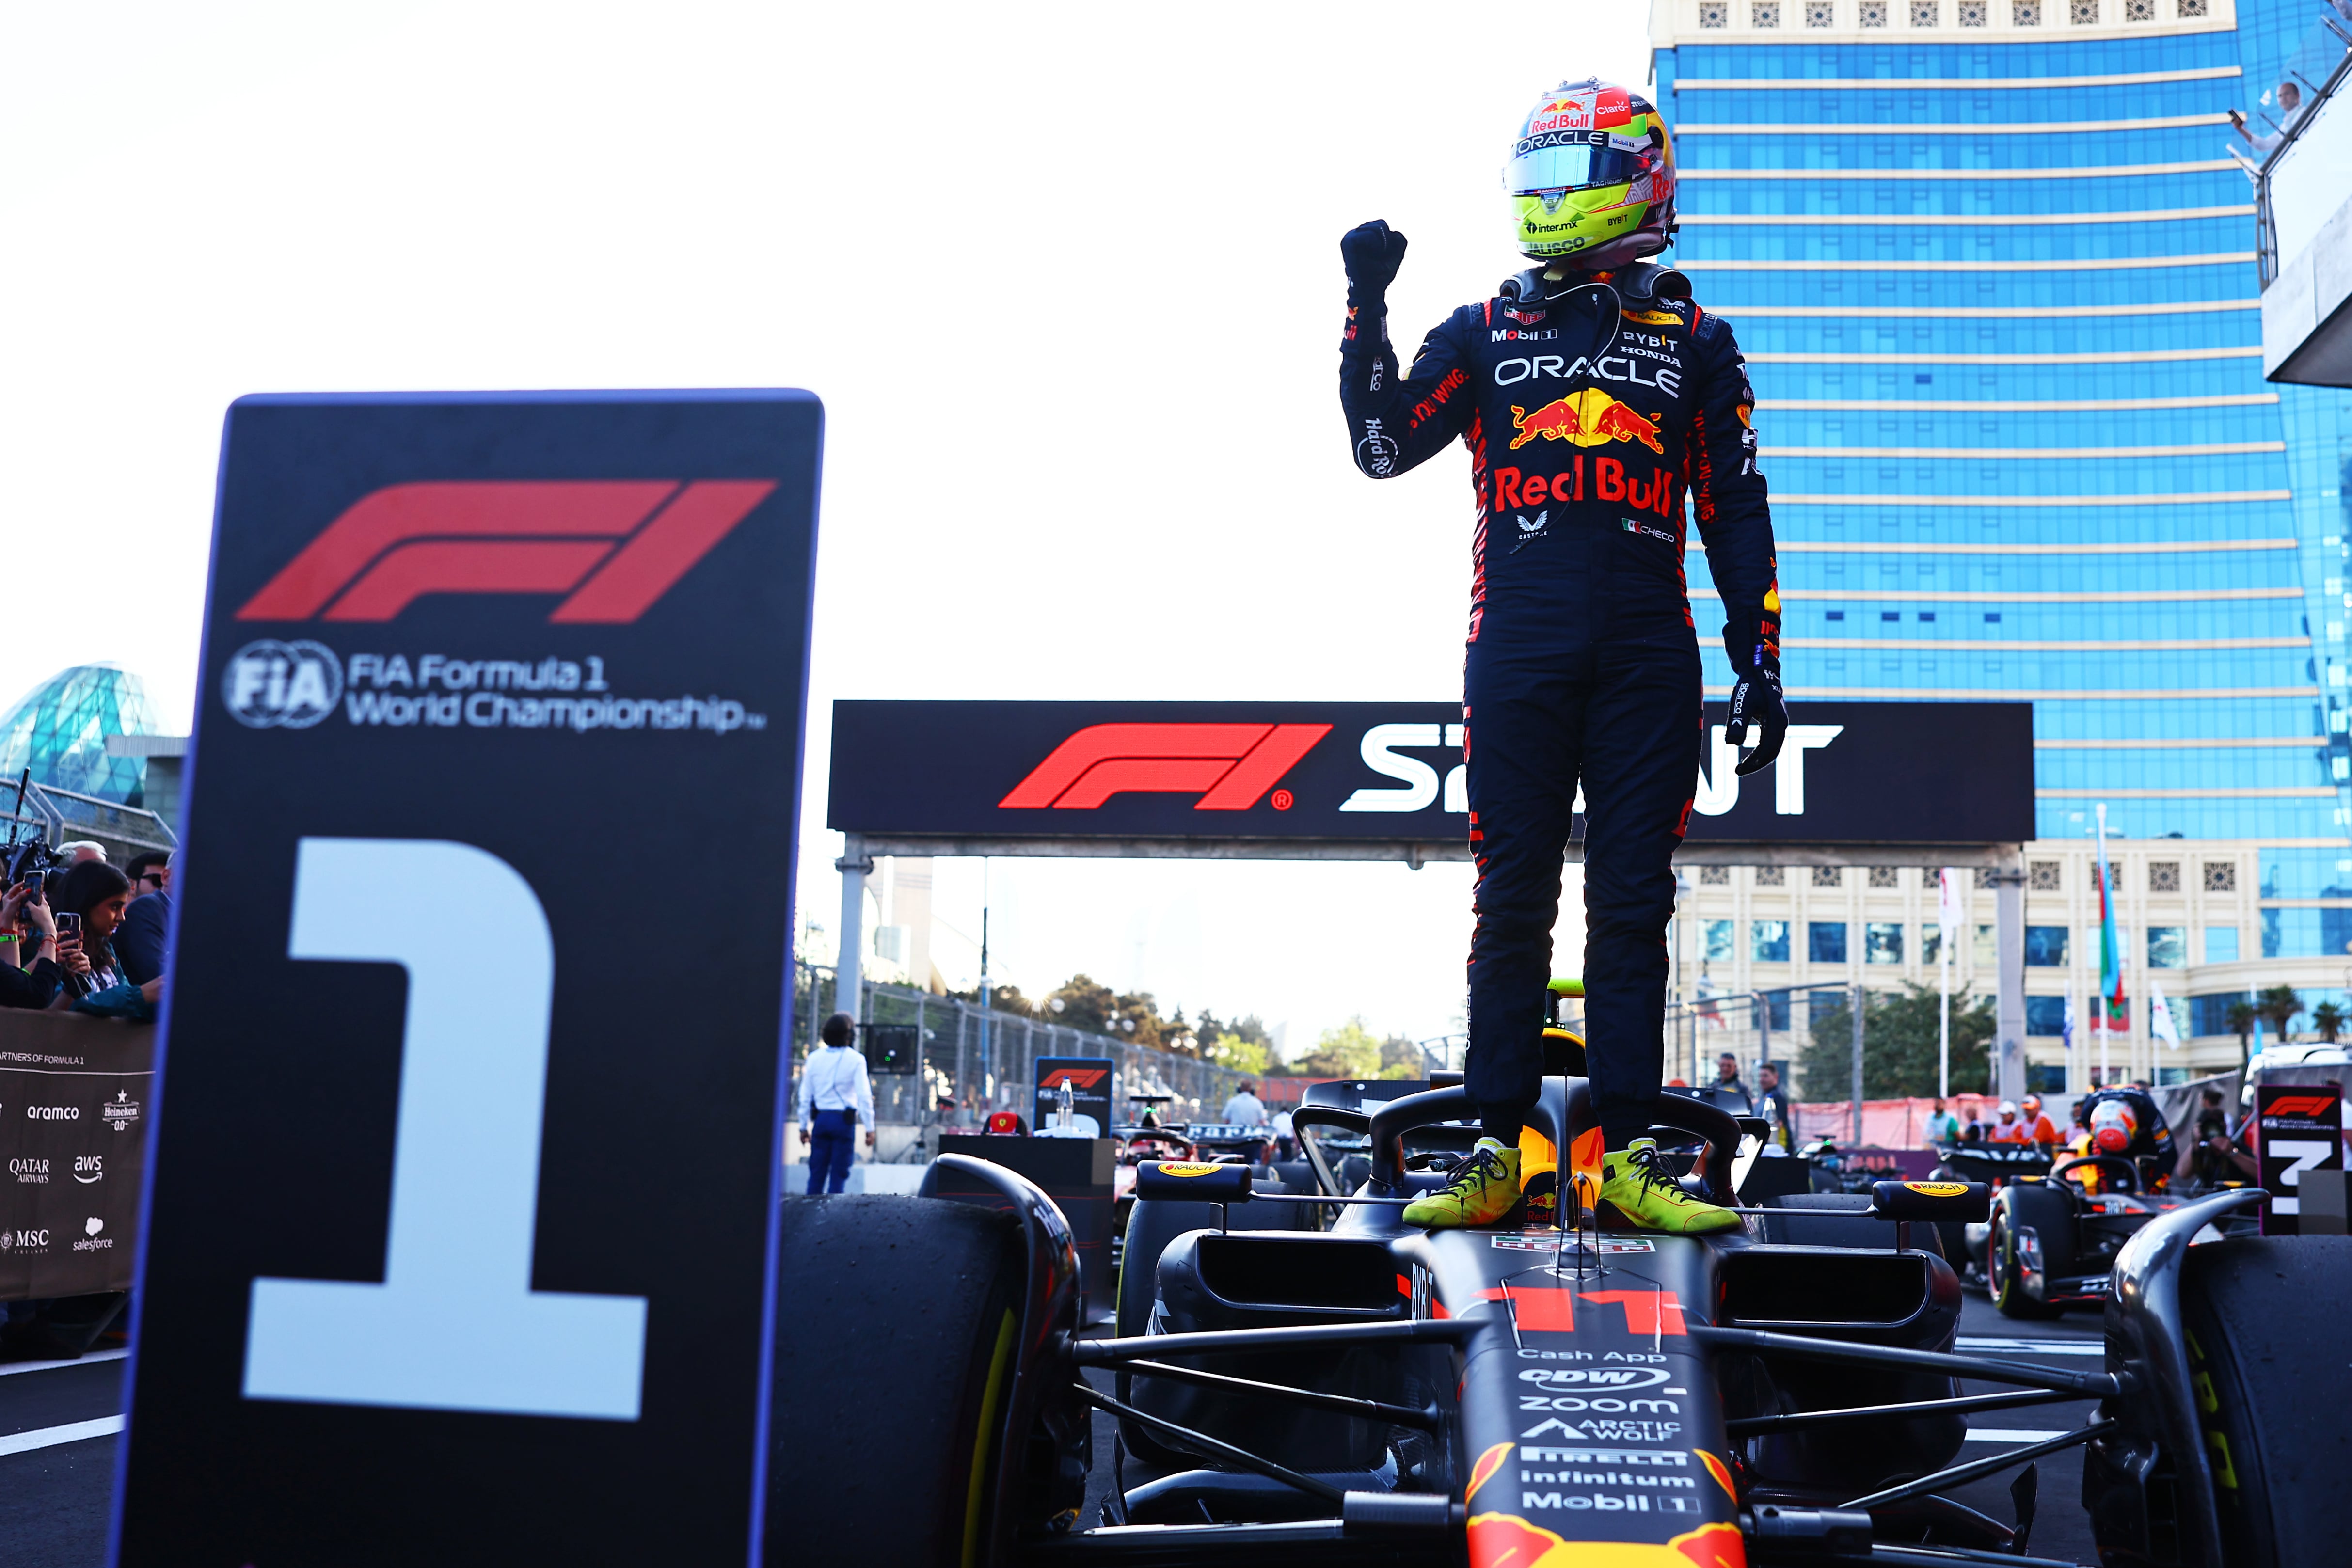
column 611, row 547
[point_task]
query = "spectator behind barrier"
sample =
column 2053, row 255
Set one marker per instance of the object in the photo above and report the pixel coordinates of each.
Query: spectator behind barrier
column 140, row 942
column 93, row 974
column 29, row 975
column 74, row 851
column 1940, row 1127
column 1245, row 1109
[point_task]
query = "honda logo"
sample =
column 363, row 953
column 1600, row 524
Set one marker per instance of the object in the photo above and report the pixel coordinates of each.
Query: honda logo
column 611, row 547
column 1230, row 765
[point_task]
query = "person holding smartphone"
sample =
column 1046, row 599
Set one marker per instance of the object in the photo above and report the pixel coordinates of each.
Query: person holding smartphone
column 91, row 900
column 29, row 975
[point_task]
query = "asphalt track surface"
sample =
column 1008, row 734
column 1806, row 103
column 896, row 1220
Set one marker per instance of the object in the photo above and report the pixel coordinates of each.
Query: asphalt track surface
column 57, row 1421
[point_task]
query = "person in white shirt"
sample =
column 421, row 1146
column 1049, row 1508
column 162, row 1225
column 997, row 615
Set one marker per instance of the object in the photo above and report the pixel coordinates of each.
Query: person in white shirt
column 1245, row 1109
column 836, row 1095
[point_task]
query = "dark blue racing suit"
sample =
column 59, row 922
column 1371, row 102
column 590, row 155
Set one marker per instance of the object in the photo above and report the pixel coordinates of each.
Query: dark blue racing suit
column 1583, row 665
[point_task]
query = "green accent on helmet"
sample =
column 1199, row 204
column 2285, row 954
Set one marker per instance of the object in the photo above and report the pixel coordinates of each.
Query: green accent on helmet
column 1562, row 225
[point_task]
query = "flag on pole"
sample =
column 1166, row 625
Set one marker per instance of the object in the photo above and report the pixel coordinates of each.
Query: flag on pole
column 2159, row 1017
column 2111, row 947
column 1951, row 904
column 2067, row 1028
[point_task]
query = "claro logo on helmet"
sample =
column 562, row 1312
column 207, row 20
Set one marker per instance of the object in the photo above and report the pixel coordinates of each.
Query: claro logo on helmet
column 612, row 547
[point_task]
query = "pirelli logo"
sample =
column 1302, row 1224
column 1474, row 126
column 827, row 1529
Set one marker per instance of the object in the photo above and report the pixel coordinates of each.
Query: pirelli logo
column 612, row 547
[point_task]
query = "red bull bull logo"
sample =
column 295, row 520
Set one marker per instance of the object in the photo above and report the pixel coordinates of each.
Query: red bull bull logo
column 1589, row 417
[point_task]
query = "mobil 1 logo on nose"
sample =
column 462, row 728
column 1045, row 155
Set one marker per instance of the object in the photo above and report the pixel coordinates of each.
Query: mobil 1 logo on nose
column 271, row 685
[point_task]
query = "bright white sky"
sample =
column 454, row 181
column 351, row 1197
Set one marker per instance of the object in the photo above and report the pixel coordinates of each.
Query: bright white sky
column 1066, row 279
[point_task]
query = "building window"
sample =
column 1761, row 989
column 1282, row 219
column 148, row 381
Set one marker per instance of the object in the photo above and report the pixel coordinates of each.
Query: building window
column 1769, row 941
column 2045, row 1016
column 2046, row 947
column 2042, row 876
column 1825, row 941
column 2167, row 946
column 1931, row 943
column 2220, row 947
column 1873, row 13
column 1821, row 14
column 1883, row 876
column 1882, row 942
column 1715, row 941
column 1974, row 13
column 2084, row 13
column 2025, row 13
column 1923, row 12
column 2164, row 876
column 1981, row 949
column 1771, row 876
column 1715, row 876
column 1767, row 13
column 1828, row 876
column 1713, row 14
column 2209, row 1014
column 2221, row 876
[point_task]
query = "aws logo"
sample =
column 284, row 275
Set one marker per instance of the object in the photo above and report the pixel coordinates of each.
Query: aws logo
column 612, row 547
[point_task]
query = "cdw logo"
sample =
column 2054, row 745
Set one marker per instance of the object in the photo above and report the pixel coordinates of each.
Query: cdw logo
column 612, row 546
column 1230, row 765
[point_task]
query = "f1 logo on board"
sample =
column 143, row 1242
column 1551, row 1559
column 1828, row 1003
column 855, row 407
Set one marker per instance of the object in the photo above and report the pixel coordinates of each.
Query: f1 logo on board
column 2300, row 1105
column 612, row 546
column 1230, row 765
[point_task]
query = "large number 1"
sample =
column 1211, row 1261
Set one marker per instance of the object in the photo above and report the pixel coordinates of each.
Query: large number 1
column 456, row 1324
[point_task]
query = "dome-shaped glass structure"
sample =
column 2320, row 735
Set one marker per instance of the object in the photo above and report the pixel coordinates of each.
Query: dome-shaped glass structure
column 59, row 729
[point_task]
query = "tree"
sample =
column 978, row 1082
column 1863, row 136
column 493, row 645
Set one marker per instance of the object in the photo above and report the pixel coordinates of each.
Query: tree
column 1247, row 1056
column 2241, row 1016
column 1400, row 1058
column 1348, row 1051
column 2329, row 1019
column 1899, row 1045
column 2279, row 1005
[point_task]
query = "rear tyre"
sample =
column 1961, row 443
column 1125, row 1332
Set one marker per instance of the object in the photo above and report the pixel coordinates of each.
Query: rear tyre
column 895, row 1344
column 2005, row 1270
column 2265, row 1317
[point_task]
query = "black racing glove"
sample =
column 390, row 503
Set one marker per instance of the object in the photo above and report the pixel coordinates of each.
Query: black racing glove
column 1372, row 253
column 1757, row 700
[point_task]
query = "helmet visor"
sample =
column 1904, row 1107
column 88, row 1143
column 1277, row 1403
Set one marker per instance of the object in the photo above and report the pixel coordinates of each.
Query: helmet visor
column 1573, row 161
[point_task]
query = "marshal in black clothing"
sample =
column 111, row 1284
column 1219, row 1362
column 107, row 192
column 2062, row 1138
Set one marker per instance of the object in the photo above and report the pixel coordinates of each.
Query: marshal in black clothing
column 1589, row 412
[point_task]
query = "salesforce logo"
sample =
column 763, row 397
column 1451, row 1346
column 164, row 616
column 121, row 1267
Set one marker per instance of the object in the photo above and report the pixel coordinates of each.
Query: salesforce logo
column 271, row 685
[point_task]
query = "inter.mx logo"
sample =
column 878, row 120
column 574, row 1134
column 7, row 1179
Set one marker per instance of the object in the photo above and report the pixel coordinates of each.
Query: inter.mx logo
column 611, row 547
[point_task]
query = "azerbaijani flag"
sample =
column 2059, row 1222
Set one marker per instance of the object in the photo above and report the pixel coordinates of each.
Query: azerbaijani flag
column 2111, row 947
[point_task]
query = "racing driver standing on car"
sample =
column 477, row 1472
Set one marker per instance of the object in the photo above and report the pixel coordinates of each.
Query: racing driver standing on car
column 1593, row 395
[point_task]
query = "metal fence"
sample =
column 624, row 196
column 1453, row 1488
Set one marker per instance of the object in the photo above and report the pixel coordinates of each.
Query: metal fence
column 986, row 1059
column 1754, row 1026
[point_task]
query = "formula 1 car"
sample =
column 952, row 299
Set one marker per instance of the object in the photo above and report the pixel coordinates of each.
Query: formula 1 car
column 2052, row 1243
column 1310, row 1382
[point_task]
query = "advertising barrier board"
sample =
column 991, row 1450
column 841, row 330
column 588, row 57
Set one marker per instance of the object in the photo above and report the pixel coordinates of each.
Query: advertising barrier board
column 2300, row 1128
column 76, row 1096
column 1091, row 1081
column 460, row 1236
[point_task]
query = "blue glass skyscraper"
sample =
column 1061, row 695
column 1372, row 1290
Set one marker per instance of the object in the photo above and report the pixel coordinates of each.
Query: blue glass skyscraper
column 1994, row 267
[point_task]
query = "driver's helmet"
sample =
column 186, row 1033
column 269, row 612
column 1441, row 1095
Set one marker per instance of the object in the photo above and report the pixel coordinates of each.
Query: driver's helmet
column 1592, row 175
column 2112, row 1126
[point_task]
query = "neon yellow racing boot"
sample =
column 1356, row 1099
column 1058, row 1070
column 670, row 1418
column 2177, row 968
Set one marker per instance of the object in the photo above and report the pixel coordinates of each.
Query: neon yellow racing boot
column 1486, row 1187
column 1638, row 1183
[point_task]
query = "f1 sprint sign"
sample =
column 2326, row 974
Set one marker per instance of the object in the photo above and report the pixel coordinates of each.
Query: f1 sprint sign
column 460, row 1224
column 1851, row 772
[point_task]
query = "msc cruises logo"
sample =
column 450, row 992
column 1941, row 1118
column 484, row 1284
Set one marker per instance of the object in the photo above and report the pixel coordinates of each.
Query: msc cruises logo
column 611, row 547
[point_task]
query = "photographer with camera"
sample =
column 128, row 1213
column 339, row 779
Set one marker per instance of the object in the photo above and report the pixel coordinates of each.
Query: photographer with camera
column 29, row 975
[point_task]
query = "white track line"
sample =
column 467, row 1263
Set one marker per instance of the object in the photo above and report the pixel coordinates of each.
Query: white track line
column 49, row 1436
column 1998, row 1435
column 9, row 1366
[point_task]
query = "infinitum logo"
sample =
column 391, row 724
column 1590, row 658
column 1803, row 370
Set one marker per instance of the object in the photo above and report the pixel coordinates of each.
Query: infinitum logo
column 612, row 546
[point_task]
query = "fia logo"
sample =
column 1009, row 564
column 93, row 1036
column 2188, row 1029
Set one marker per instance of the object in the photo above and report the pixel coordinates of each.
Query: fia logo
column 271, row 685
